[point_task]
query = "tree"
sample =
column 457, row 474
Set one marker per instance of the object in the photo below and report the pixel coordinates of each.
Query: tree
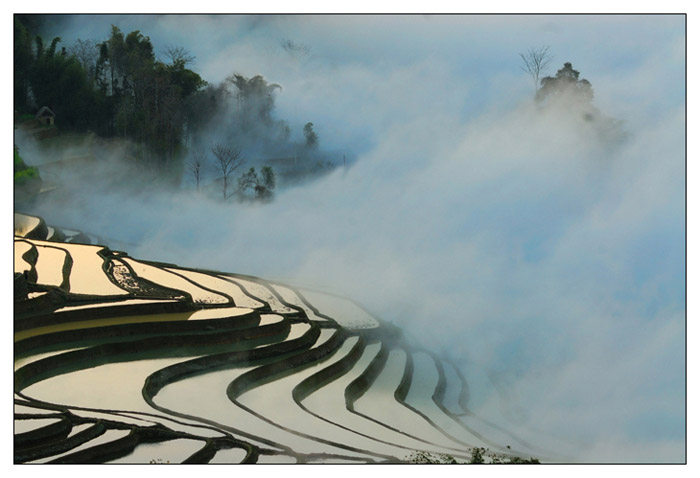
column 179, row 54
column 87, row 52
column 61, row 83
column 23, row 60
column 266, row 187
column 228, row 159
column 310, row 135
column 534, row 63
column 565, row 83
column 255, row 99
column 262, row 185
column 196, row 164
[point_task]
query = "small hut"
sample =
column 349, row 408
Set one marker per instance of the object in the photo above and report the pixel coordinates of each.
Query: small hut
column 46, row 116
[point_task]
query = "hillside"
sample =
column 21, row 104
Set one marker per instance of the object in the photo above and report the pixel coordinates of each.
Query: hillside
column 123, row 360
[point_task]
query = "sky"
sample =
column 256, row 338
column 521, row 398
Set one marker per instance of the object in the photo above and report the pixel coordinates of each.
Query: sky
column 546, row 261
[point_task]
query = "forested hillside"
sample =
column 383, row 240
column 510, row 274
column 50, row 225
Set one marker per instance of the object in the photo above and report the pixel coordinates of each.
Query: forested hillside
column 173, row 119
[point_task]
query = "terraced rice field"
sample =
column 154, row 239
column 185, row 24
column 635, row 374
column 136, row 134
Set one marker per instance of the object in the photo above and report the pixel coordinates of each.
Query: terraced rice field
column 122, row 360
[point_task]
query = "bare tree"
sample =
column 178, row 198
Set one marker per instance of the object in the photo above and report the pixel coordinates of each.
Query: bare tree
column 534, row 63
column 196, row 163
column 179, row 54
column 228, row 159
column 294, row 49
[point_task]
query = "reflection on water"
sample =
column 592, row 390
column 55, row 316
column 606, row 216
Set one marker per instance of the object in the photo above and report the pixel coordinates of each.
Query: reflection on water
column 171, row 451
column 234, row 455
column 23, row 426
column 114, row 386
column 224, row 364
column 108, row 436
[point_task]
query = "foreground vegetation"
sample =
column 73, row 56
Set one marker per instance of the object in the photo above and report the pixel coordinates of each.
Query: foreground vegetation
column 479, row 455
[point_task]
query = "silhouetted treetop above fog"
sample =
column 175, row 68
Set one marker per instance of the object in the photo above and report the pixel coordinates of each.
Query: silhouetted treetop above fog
column 565, row 82
column 574, row 95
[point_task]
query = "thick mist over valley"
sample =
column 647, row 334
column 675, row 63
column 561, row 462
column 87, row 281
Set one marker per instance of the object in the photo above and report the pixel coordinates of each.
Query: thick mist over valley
column 540, row 246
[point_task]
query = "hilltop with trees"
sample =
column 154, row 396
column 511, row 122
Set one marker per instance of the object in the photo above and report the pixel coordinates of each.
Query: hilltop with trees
column 173, row 120
column 567, row 91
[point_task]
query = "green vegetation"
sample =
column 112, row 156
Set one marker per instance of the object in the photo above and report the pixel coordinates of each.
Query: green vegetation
column 118, row 88
column 258, row 186
column 477, row 457
column 23, row 173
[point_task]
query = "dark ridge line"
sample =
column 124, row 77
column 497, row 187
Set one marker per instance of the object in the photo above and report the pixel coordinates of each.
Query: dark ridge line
column 306, row 302
column 170, row 292
column 106, row 254
column 117, row 448
column 30, row 321
column 402, row 392
column 94, row 431
column 315, row 382
column 439, row 397
column 58, row 235
column 300, row 312
column 39, row 231
column 223, row 428
column 66, row 409
column 216, row 362
column 187, row 295
column 43, row 435
column 61, row 228
column 217, row 292
column 70, row 238
column 294, row 364
column 358, row 387
column 265, row 305
column 441, row 389
column 462, row 401
column 174, row 373
column 325, row 316
column 338, row 369
column 66, row 269
column 214, row 445
column 87, row 337
column 352, row 301
column 30, row 257
column 203, row 455
column 364, row 381
column 463, row 397
column 104, row 452
column 229, row 277
column 285, row 366
column 121, row 352
column 149, row 348
column 36, row 416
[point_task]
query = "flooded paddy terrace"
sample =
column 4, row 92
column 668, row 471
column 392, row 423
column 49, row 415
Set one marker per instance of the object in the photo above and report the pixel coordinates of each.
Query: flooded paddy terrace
column 124, row 360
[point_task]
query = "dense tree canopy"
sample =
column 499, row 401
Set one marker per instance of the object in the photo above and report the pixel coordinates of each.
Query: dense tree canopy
column 117, row 87
column 565, row 82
